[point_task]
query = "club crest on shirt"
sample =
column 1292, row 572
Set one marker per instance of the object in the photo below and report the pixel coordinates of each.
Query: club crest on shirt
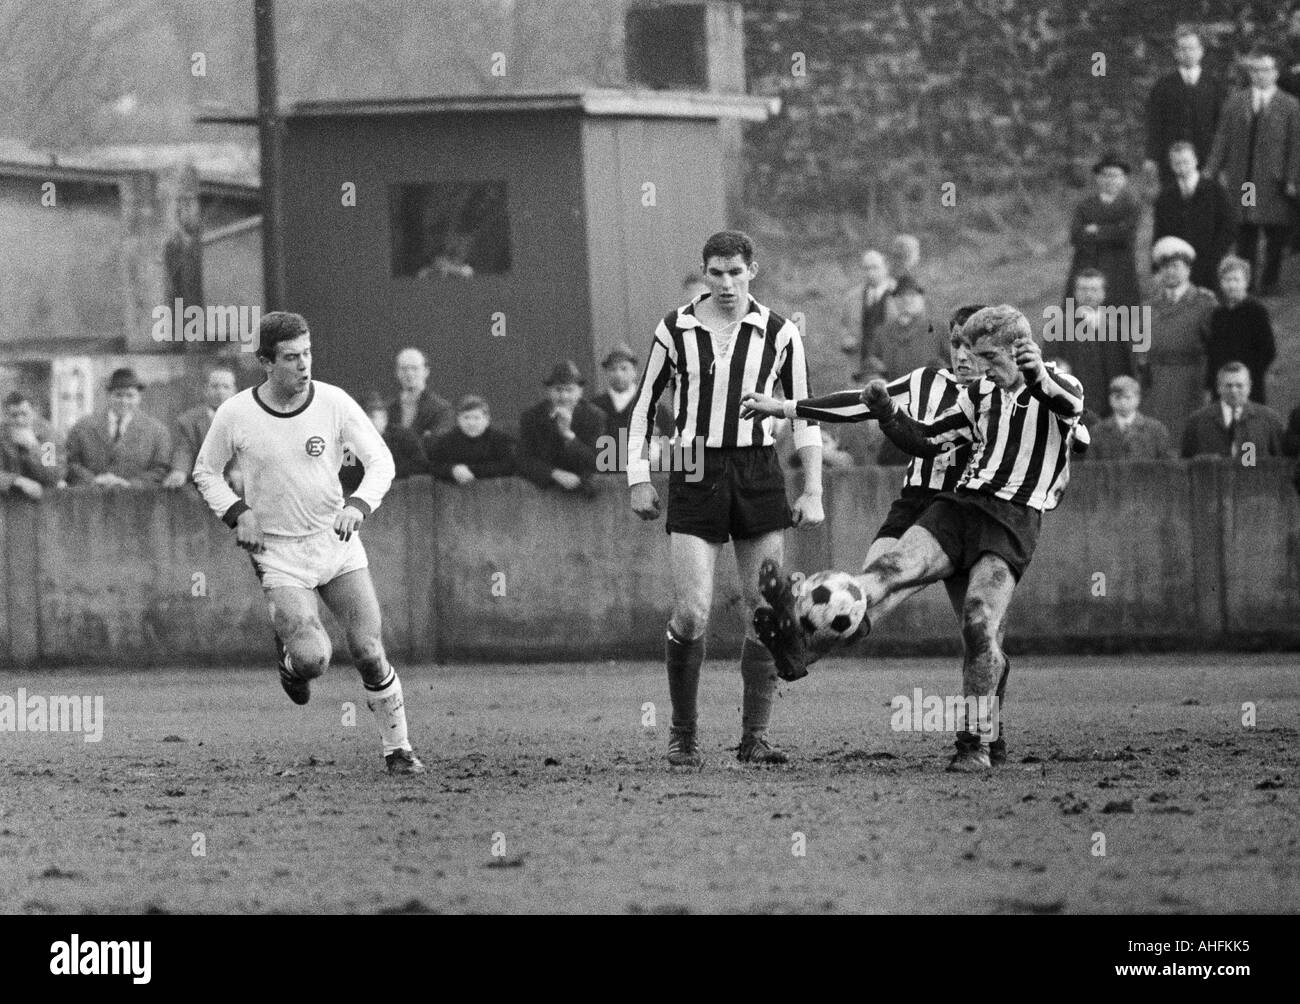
column 315, row 446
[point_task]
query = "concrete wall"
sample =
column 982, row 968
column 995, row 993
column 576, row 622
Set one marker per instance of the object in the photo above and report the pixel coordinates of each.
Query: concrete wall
column 1143, row 555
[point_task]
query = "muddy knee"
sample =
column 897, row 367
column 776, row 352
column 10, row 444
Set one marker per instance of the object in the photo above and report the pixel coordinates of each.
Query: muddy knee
column 309, row 649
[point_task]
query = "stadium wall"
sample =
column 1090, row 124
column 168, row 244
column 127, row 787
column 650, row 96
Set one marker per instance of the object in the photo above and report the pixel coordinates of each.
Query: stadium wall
column 1141, row 556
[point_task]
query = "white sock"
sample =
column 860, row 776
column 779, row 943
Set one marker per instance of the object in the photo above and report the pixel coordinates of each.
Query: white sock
column 390, row 712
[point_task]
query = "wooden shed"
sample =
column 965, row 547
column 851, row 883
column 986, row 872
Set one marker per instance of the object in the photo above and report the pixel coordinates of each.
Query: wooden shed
column 497, row 233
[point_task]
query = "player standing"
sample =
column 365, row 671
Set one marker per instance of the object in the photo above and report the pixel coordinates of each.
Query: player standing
column 721, row 346
column 289, row 436
column 1019, row 419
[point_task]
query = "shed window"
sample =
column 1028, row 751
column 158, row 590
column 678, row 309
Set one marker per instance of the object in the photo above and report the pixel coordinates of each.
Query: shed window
column 450, row 229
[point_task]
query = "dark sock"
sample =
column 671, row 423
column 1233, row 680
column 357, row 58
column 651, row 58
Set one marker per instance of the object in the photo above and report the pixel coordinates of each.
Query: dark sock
column 683, row 659
column 758, row 678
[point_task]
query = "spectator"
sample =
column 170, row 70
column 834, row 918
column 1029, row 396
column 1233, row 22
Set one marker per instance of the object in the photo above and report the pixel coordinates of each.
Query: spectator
column 407, row 450
column 416, row 407
column 191, row 428
column 1183, row 107
column 1128, row 434
column 121, row 446
column 1289, row 80
column 473, row 450
column 1103, row 232
column 620, row 366
column 907, row 339
column 1173, row 369
column 1258, row 141
column 1195, row 208
column 1222, row 427
column 868, row 305
column 694, row 286
column 559, row 438
column 1239, row 330
column 1291, row 440
column 1096, row 355
column 904, row 257
column 28, row 464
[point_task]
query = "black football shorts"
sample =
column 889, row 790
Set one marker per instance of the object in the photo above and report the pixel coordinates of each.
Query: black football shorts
column 738, row 494
column 968, row 524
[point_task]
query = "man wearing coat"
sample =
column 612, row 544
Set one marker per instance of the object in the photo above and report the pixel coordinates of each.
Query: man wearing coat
column 1194, row 208
column 560, row 437
column 1183, row 106
column 1258, row 141
column 121, row 446
column 1104, row 231
column 191, row 428
column 1223, row 427
column 417, row 407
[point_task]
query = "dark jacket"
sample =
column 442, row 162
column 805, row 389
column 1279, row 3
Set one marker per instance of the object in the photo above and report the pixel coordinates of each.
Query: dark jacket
column 491, row 455
column 434, row 415
column 1178, row 112
column 142, row 456
column 17, row 461
column 542, row 448
column 1205, row 221
column 1205, row 433
column 1242, row 334
column 408, row 459
column 616, row 420
column 1145, row 439
column 1271, row 163
column 1110, row 248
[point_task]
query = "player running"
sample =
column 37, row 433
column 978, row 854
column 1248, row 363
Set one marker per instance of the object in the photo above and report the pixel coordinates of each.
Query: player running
column 721, row 346
column 1019, row 420
column 289, row 436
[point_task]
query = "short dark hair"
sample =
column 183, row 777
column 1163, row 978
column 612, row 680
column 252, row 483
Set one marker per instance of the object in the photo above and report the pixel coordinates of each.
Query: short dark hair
column 15, row 398
column 728, row 244
column 276, row 327
column 963, row 314
column 472, row 402
column 1228, row 369
column 1262, row 51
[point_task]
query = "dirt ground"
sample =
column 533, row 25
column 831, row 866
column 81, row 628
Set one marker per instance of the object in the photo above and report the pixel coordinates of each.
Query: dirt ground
column 551, row 767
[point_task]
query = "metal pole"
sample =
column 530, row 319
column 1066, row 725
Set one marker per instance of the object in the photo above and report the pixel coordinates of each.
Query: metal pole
column 270, row 136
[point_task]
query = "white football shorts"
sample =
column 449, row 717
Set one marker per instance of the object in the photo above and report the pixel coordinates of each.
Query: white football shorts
column 308, row 562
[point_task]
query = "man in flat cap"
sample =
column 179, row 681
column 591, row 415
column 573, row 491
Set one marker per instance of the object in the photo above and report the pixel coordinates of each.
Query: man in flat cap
column 1103, row 233
column 559, row 437
column 121, row 446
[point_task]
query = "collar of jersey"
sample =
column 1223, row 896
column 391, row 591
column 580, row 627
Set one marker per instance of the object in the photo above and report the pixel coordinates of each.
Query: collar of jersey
column 311, row 393
column 757, row 314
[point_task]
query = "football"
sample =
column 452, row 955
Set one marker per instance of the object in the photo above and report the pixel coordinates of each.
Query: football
column 830, row 606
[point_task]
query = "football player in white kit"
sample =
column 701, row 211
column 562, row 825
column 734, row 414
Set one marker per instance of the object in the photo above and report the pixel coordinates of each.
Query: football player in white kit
column 289, row 435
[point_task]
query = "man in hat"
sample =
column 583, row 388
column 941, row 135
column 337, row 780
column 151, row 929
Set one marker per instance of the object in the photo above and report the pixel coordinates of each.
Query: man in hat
column 620, row 367
column 121, row 446
column 1195, row 208
column 1258, row 145
column 559, row 437
column 1103, row 233
column 1172, row 370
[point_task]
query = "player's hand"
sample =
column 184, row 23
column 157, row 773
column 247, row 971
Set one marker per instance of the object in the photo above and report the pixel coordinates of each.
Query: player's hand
column 1091, row 228
column 175, row 479
column 754, row 404
column 248, row 533
column 566, row 479
column 32, row 489
column 563, row 422
column 645, row 500
column 461, row 474
column 24, row 437
column 807, row 511
column 1029, row 357
column 348, row 522
column 875, row 395
column 107, row 480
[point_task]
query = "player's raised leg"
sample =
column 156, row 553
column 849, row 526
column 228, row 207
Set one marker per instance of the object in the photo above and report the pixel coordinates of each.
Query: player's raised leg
column 988, row 595
column 757, row 667
column 351, row 597
column 301, row 640
column 692, row 559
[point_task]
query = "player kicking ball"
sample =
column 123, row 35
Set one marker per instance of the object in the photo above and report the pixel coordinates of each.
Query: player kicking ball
column 925, row 394
column 1019, row 421
column 721, row 346
column 289, row 435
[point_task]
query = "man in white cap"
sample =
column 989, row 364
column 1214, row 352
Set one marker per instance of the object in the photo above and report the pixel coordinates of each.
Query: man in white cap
column 1172, row 371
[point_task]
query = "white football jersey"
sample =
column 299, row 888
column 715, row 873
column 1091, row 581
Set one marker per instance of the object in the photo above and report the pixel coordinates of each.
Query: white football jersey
column 290, row 460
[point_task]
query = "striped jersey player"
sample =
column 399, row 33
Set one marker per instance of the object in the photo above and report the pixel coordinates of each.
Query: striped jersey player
column 290, row 435
column 719, row 347
column 1019, row 421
